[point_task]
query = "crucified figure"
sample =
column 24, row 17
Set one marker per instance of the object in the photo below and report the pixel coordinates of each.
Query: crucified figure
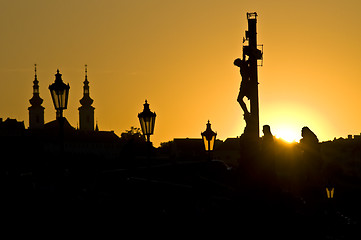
column 244, row 88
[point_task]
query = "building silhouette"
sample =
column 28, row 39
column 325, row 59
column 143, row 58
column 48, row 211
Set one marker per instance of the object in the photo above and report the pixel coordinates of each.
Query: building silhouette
column 11, row 128
column 86, row 141
column 86, row 111
column 36, row 111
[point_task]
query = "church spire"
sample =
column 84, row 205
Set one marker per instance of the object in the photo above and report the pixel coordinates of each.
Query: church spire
column 86, row 100
column 86, row 111
column 36, row 82
column 86, row 82
column 36, row 111
column 86, row 73
column 96, row 127
column 35, row 75
column 36, row 99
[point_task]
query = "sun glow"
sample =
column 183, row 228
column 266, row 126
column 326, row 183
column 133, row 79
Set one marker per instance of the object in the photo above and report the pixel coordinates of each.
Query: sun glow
column 288, row 134
column 287, row 119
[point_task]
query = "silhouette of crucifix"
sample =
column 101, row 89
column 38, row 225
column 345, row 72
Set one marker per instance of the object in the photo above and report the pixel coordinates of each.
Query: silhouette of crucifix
column 244, row 90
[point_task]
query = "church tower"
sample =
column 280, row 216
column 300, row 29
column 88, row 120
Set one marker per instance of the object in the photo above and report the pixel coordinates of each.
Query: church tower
column 36, row 111
column 86, row 111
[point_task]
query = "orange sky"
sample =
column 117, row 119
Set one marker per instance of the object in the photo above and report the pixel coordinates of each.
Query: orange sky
column 179, row 55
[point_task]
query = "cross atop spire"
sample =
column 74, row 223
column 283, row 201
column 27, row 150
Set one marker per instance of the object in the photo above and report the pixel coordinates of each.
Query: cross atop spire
column 86, row 100
column 35, row 77
column 86, row 82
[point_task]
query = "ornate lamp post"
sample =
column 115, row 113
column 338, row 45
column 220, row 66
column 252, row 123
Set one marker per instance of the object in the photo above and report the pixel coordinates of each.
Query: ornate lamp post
column 209, row 138
column 59, row 93
column 330, row 204
column 330, row 191
column 147, row 121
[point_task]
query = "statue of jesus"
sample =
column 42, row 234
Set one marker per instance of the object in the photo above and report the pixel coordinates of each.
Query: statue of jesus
column 244, row 88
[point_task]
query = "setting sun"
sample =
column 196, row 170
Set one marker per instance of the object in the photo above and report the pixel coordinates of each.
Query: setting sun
column 287, row 119
column 288, row 134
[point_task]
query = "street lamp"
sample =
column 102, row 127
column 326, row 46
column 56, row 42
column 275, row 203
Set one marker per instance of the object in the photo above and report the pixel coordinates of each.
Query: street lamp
column 59, row 93
column 209, row 138
column 330, row 191
column 147, row 121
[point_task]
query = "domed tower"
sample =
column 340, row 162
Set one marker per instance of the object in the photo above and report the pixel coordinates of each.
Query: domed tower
column 36, row 111
column 86, row 111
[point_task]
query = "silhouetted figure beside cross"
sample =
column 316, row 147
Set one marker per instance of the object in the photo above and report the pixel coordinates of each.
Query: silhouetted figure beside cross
column 309, row 145
column 311, row 163
column 267, row 139
column 267, row 157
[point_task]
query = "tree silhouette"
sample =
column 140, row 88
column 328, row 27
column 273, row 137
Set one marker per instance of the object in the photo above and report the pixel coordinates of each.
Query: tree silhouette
column 133, row 135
